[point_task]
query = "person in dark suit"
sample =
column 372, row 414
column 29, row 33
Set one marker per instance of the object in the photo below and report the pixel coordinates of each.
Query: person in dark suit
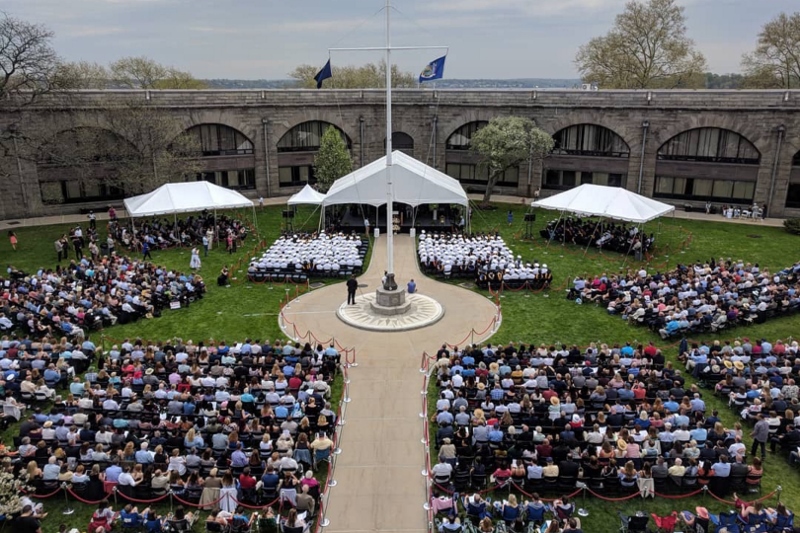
column 352, row 287
column 568, row 468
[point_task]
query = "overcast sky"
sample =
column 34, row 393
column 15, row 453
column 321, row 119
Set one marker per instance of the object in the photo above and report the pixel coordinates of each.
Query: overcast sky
column 255, row 39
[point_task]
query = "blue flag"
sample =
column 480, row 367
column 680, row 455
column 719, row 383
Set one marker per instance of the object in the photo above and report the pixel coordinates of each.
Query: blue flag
column 323, row 74
column 433, row 71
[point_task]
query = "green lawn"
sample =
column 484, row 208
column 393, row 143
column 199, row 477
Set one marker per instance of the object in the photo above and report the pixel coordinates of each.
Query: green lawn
column 245, row 309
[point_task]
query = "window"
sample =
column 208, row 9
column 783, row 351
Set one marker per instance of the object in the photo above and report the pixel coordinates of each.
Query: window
column 460, row 138
column 590, row 140
column 218, row 139
column 74, row 191
column 711, row 145
column 728, row 191
column 296, row 175
column 478, row 175
column 793, row 196
column 567, row 179
column 796, row 159
column 306, row 137
column 232, row 179
column 401, row 141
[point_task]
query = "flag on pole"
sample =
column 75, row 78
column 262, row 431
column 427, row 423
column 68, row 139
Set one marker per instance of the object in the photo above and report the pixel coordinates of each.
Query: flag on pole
column 433, row 71
column 323, row 74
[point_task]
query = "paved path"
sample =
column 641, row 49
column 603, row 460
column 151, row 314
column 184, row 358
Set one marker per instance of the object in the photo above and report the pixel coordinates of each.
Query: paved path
column 380, row 487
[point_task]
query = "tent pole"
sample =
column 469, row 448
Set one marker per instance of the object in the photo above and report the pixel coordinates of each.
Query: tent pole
column 625, row 262
column 549, row 240
column 591, row 239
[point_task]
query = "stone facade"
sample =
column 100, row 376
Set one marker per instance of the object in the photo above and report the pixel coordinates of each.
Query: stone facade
column 429, row 117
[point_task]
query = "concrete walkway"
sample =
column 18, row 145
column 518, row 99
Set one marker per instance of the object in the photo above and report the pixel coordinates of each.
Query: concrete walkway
column 380, row 487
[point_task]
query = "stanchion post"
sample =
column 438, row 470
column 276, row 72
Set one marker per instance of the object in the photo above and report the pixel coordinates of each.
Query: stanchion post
column 67, row 509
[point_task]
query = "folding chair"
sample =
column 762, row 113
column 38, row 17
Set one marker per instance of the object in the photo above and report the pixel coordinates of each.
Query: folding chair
column 666, row 524
column 633, row 524
column 729, row 520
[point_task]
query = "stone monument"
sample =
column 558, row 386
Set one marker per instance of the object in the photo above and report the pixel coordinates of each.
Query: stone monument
column 389, row 299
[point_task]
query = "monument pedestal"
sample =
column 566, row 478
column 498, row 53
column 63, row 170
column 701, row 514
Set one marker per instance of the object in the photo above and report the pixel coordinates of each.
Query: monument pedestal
column 390, row 302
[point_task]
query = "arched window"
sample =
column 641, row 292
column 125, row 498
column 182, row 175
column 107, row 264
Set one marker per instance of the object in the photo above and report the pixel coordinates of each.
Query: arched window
column 401, row 141
column 219, row 139
column 306, row 137
column 710, row 145
column 460, row 139
column 81, row 164
column 586, row 153
column 590, row 140
column 793, row 193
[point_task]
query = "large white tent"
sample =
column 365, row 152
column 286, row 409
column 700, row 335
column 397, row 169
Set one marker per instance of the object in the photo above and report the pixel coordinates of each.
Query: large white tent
column 308, row 195
column 609, row 202
column 413, row 183
column 187, row 197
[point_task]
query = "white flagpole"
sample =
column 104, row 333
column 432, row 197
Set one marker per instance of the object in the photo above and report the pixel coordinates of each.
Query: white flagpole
column 389, row 192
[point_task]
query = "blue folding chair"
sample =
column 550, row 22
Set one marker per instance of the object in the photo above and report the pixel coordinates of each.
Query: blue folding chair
column 729, row 520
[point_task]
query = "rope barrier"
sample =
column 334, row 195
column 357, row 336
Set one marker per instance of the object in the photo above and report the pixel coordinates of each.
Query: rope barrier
column 678, row 496
column 131, row 498
column 82, row 500
column 729, row 502
column 44, row 496
column 621, row 499
column 577, row 491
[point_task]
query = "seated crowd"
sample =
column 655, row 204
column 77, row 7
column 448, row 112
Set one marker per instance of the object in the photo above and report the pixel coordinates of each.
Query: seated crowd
column 759, row 381
column 161, row 233
column 617, row 418
column 603, row 235
column 694, row 298
column 89, row 294
column 485, row 258
column 217, row 424
column 304, row 255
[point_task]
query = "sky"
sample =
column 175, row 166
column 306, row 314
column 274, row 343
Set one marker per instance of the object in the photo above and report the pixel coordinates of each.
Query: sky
column 266, row 39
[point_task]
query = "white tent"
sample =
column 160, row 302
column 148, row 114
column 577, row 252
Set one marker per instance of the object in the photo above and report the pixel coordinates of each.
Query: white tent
column 414, row 183
column 185, row 197
column 307, row 196
column 609, row 202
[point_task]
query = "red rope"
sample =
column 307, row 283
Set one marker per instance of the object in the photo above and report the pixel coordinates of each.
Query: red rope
column 679, row 496
column 729, row 502
column 131, row 498
column 578, row 491
column 184, row 502
column 88, row 502
column 622, row 499
column 45, row 496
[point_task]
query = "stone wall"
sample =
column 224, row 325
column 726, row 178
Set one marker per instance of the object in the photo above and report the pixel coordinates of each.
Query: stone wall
column 430, row 117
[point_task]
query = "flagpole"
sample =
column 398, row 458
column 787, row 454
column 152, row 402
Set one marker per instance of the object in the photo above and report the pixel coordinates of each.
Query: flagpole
column 389, row 202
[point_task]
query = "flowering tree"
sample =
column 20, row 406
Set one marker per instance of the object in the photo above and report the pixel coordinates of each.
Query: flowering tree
column 11, row 490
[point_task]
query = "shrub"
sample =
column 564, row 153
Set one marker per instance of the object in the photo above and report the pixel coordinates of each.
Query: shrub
column 792, row 225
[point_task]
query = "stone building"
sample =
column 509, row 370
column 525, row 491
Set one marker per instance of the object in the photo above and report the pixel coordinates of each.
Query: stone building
column 684, row 147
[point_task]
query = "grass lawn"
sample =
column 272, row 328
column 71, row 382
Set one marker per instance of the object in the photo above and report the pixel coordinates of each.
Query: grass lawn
column 245, row 309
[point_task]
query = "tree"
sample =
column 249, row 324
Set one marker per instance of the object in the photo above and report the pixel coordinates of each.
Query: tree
column 145, row 73
column 369, row 76
column 647, row 48
column 146, row 149
column 82, row 75
column 333, row 159
column 775, row 63
column 28, row 62
column 505, row 143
